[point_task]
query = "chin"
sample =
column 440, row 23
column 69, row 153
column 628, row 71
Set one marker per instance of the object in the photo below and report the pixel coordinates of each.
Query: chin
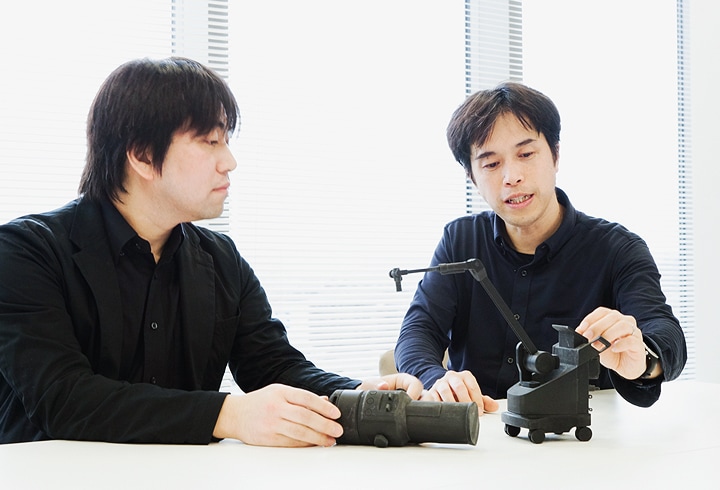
column 206, row 216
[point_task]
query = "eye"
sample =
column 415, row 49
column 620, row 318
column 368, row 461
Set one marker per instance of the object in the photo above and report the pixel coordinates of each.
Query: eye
column 527, row 154
column 213, row 138
column 490, row 165
column 217, row 136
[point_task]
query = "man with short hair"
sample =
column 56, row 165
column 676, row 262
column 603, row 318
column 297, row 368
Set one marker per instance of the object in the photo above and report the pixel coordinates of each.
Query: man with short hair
column 118, row 317
column 550, row 263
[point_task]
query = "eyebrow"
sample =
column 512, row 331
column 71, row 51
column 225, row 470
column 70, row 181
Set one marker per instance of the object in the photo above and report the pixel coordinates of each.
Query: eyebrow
column 519, row 145
column 219, row 125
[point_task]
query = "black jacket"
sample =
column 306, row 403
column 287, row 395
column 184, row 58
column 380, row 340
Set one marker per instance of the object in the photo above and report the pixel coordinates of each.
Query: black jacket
column 61, row 322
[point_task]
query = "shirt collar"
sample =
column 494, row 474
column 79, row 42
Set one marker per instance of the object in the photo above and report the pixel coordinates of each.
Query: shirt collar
column 565, row 231
column 118, row 230
column 120, row 233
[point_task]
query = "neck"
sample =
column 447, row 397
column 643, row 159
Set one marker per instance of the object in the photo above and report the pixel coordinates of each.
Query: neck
column 526, row 239
column 145, row 225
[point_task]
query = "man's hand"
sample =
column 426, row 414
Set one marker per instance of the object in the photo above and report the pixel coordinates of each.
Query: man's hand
column 279, row 415
column 626, row 354
column 401, row 381
column 460, row 387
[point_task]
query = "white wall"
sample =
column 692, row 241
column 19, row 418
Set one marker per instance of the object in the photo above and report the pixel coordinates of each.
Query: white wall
column 705, row 68
column 614, row 78
column 617, row 96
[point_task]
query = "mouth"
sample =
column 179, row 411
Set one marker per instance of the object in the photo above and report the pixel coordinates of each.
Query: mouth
column 518, row 199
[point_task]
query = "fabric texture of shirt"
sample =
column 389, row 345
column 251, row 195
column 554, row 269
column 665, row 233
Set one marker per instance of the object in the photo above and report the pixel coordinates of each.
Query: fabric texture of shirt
column 65, row 370
column 150, row 297
column 587, row 263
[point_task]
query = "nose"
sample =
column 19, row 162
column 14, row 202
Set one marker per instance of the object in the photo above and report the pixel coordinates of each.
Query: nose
column 513, row 174
column 227, row 162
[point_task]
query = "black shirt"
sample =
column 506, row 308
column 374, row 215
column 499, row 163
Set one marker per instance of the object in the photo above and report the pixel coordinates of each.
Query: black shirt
column 588, row 262
column 149, row 293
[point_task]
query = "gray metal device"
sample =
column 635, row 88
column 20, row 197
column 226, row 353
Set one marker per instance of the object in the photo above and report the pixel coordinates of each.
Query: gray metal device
column 385, row 418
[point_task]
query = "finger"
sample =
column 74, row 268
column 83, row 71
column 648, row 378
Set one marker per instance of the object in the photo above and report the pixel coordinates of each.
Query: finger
column 591, row 318
column 616, row 326
column 603, row 324
column 430, row 395
column 383, row 385
column 600, row 344
column 460, row 388
column 298, row 434
column 489, row 404
column 472, row 387
column 318, row 404
column 375, row 384
column 407, row 382
column 629, row 343
column 304, row 424
column 444, row 391
column 282, row 440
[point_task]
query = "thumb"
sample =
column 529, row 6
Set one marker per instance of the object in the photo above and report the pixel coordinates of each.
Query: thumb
column 489, row 404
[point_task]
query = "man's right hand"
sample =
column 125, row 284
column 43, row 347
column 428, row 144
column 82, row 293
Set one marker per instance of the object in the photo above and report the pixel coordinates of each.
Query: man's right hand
column 460, row 387
column 279, row 415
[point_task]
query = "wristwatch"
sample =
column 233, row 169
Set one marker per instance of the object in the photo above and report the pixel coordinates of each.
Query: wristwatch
column 651, row 362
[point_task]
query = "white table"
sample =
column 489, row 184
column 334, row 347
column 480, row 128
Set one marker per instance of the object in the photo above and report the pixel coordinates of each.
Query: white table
column 673, row 444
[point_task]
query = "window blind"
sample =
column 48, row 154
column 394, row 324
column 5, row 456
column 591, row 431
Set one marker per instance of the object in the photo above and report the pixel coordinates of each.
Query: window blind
column 200, row 31
column 615, row 95
column 339, row 120
column 343, row 168
column 493, row 54
column 681, row 281
column 55, row 59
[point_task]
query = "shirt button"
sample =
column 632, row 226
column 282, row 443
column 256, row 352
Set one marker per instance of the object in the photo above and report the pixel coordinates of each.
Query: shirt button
column 517, row 317
column 510, row 360
column 523, row 273
column 154, row 325
column 153, row 380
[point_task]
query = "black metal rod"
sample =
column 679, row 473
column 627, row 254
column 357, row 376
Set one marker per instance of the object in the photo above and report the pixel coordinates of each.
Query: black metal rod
column 477, row 269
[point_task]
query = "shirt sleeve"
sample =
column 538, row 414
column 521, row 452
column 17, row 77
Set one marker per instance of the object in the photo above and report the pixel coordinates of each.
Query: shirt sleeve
column 424, row 334
column 638, row 293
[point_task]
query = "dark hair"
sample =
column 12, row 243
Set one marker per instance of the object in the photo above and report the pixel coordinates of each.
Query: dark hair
column 139, row 107
column 472, row 122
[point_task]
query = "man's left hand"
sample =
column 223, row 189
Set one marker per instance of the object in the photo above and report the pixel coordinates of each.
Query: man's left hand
column 626, row 354
column 401, row 381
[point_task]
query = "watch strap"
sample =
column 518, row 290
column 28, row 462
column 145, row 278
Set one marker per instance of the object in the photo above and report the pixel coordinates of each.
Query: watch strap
column 651, row 362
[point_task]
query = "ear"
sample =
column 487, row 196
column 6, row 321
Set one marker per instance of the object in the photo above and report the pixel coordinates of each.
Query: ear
column 140, row 164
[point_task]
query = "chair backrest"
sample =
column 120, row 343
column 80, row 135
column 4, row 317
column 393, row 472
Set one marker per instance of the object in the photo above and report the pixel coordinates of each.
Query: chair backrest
column 386, row 365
